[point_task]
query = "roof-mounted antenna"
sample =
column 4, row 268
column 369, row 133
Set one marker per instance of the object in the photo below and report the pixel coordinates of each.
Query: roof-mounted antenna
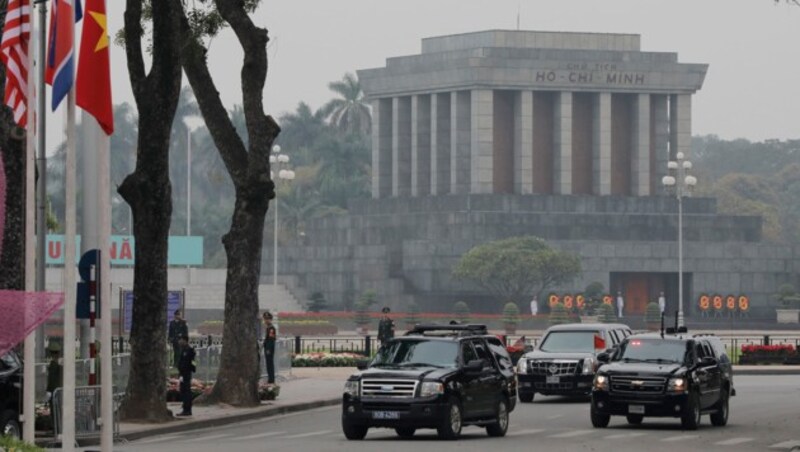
column 662, row 324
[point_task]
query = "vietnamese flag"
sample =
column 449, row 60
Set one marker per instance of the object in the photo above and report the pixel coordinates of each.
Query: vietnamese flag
column 93, row 86
column 599, row 343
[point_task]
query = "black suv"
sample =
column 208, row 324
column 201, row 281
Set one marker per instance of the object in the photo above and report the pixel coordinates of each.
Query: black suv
column 665, row 375
column 564, row 362
column 435, row 376
column 10, row 391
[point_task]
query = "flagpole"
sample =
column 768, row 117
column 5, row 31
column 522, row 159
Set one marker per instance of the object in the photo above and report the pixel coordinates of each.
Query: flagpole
column 41, row 166
column 68, row 410
column 29, row 354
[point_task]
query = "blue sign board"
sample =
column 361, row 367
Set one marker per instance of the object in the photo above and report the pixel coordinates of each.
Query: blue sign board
column 182, row 251
column 175, row 301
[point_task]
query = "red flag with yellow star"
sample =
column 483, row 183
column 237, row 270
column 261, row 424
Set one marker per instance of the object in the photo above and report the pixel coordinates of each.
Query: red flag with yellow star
column 93, row 87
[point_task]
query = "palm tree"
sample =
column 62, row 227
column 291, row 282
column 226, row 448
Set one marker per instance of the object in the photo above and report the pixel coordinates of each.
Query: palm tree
column 350, row 113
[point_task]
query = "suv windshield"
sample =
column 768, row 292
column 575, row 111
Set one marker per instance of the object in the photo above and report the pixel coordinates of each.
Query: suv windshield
column 569, row 341
column 652, row 350
column 417, row 353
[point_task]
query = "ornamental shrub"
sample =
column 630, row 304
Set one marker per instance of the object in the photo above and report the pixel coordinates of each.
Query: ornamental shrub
column 412, row 313
column 606, row 314
column 462, row 312
column 361, row 314
column 558, row 314
column 653, row 313
column 511, row 313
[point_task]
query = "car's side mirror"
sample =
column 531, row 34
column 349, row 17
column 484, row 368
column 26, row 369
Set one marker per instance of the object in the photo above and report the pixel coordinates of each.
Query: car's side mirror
column 603, row 357
column 473, row 367
column 362, row 364
column 708, row 361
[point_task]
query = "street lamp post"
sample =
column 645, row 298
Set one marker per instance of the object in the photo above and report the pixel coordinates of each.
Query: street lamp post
column 279, row 161
column 682, row 183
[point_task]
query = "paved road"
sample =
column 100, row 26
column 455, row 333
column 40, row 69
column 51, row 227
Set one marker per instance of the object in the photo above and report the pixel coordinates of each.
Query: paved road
column 765, row 416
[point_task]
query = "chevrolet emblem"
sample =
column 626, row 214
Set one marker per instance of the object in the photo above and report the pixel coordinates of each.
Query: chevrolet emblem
column 637, row 382
column 387, row 388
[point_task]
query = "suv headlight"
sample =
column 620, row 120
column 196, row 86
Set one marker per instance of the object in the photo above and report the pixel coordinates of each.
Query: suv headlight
column 588, row 366
column 431, row 388
column 601, row 382
column 522, row 366
column 677, row 385
column 351, row 388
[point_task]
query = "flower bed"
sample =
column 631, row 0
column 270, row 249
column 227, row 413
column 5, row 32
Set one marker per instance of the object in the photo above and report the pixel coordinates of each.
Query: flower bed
column 769, row 354
column 326, row 359
column 266, row 391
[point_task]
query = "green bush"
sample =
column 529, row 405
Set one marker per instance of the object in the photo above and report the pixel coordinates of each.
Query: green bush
column 462, row 312
column 316, row 302
column 361, row 314
column 653, row 313
column 558, row 314
column 9, row 443
column 412, row 313
column 511, row 314
column 606, row 314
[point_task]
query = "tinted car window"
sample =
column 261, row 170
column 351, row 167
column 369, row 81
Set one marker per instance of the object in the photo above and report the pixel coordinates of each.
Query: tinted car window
column 483, row 354
column 652, row 350
column 467, row 353
column 569, row 341
column 409, row 353
column 499, row 351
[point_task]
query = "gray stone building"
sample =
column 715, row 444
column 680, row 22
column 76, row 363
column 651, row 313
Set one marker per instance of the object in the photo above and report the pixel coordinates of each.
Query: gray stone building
column 565, row 136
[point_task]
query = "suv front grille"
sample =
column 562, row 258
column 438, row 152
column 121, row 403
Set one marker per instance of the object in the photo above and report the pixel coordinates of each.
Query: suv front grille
column 388, row 388
column 637, row 385
column 554, row 367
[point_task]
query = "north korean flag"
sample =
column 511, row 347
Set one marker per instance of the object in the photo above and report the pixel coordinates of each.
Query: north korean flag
column 60, row 67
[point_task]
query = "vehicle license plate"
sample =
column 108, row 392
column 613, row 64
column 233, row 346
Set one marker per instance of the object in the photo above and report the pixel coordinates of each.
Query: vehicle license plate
column 636, row 409
column 385, row 415
column 553, row 380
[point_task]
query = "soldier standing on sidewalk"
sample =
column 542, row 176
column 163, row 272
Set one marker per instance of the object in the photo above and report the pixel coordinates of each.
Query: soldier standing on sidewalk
column 177, row 328
column 270, row 335
column 385, row 326
column 186, row 369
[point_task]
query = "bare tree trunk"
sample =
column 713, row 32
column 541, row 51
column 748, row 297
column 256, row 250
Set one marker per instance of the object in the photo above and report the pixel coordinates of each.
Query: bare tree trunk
column 237, row 381
column 149, row 193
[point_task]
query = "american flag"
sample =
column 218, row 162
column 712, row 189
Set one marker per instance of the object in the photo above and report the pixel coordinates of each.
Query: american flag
column 14, row 54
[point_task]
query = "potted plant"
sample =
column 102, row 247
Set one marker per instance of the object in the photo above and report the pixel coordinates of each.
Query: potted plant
column 361, row 317
column 606, row 314
column 652, row 316
column 462, row 312
column 558, row 314
column 511, row 317
column 789, row 299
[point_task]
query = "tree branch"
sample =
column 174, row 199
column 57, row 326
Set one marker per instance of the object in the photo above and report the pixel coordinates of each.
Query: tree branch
column 133, row 43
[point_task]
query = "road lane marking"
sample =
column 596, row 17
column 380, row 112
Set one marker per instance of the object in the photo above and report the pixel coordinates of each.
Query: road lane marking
column 161, row 438
column 529, row 431
column 571, row 434
column 680, row 438
column 786, row 444
column 306, row 435
column 259, row 435
column 734, row 441
column 624, row 435
column 206, row 438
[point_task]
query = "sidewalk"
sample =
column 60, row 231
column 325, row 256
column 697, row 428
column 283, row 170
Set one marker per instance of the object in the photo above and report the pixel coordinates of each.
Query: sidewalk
column 307, row 388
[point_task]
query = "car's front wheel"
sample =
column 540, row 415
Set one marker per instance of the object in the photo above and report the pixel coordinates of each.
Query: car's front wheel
column 450, row 427
column 352, row 431
column 690, row 419
column 405, row 432
column 9, row 424
column 599, row 420
column 719, row 418
column 500, row 426
column 635, row 419
column 526, row 397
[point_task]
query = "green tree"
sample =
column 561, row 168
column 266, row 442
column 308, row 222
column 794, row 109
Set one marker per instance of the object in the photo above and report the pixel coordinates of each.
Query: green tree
column 350, row 112
column 511, row 269
column 149, row 193
column 247, row 162
column 462, row 312
column 558, row 314
column 316, row 302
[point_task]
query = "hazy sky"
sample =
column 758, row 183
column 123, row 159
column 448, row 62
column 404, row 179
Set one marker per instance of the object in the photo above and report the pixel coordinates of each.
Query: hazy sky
column 752, row 89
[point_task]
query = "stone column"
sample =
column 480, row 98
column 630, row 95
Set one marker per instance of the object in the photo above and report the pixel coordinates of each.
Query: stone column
column 640, row 163
column 562, row 162
column 523, row 142
column 420, row 145
column 601, row 144
column 482, row 141
column 460, row 140
column 680, row 124
column 401, row 146
column 659, row 132
column 440, row 143
column 381, row 148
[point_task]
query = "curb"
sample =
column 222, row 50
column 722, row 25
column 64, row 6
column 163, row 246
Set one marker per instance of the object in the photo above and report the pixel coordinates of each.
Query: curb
column 179, row 427
column 766, row 370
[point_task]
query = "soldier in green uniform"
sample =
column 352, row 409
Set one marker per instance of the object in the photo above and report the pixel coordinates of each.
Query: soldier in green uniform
column 385, row 326
column 270, row 335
